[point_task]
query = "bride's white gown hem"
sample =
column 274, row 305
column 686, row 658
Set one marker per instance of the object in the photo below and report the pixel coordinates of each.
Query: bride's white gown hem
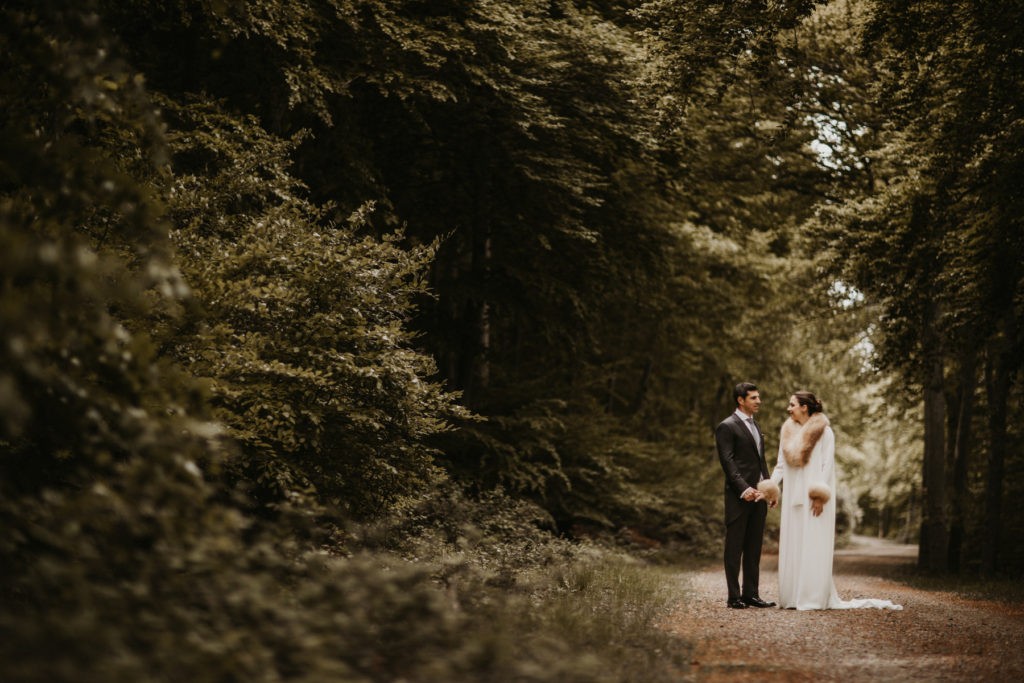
column 806, row 542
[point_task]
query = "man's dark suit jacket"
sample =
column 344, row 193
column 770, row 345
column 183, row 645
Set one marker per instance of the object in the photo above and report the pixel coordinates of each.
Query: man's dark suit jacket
column 741, row 460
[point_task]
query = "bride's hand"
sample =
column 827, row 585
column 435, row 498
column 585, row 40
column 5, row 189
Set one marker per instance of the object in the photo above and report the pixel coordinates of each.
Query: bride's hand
column 817, row 507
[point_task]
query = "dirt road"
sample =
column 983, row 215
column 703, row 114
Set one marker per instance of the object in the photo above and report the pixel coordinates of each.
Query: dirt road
column 938, row 636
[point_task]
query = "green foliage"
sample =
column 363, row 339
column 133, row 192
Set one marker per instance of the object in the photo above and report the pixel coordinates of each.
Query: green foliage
column 590, row 219
column 303, row 338
column 945, row 226
column 931, row 234
column 696, row 47
column 458, row 120
column 606, row 612
column 596, row 278
column 84, row 259
column 195, row 591
column 125, row 555
column 548, row 609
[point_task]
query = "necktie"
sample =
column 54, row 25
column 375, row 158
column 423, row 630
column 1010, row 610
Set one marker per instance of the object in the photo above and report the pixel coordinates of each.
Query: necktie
column 753, row 432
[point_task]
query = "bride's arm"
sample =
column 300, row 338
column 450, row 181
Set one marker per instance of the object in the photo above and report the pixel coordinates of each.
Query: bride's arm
column 820, row 488
column 780, row 467
column 769, row 488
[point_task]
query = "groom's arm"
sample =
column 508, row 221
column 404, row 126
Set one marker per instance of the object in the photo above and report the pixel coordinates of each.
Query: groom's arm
column 725, row 441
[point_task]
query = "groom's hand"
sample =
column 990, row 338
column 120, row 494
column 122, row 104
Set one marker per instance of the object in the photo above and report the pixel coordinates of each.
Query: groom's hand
column 750, row 495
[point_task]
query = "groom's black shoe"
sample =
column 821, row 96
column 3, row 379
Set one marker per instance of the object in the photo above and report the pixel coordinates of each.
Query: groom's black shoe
column 756, row 602
column 737, row 603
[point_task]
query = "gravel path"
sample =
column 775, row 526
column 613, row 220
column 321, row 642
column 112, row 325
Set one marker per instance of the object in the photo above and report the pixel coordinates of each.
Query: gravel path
column 937, row 636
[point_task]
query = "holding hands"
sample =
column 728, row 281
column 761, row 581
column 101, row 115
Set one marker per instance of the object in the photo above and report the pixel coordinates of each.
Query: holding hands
column 752, row 495
column 768, row 490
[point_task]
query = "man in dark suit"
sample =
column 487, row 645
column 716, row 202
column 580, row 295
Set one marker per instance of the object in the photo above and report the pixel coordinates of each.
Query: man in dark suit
column 741, row 452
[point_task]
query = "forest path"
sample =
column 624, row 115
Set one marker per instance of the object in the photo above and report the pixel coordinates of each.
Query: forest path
column 938, row 636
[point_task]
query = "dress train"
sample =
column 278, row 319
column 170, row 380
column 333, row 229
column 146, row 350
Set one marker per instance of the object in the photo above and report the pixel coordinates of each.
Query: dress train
column 835, row 602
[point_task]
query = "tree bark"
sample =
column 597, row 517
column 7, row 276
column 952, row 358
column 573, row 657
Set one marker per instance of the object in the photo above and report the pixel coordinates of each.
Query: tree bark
column 961, row 453
column 997, row 385
column 475, row 371
column 933, row 553
column 908, row 518
column 477, row 325
column 641, row 392
column 482, row 365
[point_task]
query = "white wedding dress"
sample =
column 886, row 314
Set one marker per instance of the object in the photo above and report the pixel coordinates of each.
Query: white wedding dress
column 806, row 542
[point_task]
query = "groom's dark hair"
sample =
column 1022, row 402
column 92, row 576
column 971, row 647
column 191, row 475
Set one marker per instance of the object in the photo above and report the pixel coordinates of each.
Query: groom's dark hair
column 741, row 390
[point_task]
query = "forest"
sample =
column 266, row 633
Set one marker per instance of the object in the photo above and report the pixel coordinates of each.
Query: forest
column 384, row 340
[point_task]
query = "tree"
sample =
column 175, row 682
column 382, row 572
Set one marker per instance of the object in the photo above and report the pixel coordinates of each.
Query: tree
column 935, row 239
column 86, row 260
column 304, row 335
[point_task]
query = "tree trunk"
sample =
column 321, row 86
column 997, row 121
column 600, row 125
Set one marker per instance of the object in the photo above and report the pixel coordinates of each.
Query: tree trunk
column 641, row 392
column 961, row 453
column 482, row 365
column 476, row 346
column 933, row 552
column 908, row 518
column 997, row 385
column 475, row 372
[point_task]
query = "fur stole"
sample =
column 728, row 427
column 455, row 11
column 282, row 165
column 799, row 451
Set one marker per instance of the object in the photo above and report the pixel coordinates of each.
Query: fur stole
column 798, row 441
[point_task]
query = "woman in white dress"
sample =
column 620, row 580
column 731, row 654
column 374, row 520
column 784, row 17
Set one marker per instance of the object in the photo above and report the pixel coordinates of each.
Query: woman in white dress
column 806, row 470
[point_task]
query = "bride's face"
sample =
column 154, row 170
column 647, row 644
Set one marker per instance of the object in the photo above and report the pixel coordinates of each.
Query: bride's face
column 795, row 410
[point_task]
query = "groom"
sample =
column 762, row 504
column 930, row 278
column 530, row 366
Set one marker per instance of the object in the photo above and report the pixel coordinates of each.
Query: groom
column 741, row 452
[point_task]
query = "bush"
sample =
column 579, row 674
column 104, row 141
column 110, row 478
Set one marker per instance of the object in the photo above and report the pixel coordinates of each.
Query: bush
column 162, row 588
column 303, row 336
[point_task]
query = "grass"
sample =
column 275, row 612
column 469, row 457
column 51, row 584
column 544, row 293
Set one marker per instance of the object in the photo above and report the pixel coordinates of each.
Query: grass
column 601, row 613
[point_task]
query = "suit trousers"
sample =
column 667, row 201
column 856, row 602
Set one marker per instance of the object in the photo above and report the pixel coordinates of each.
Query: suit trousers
column 743, row 539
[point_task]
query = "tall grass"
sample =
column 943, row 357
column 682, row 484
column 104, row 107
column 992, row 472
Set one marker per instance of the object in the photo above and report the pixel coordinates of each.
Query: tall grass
column 528, row 606
column 598, row 617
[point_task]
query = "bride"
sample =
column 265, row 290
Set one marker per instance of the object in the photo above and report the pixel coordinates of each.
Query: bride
column 808, row 532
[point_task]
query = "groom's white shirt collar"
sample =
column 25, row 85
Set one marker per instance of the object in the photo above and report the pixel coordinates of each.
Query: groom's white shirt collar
column 743, row 416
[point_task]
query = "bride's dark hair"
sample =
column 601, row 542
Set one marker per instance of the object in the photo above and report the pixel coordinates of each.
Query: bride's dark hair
column 806, row 398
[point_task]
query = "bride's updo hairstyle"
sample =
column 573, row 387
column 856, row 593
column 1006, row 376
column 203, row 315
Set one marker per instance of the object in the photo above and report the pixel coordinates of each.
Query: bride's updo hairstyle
column 806, row 398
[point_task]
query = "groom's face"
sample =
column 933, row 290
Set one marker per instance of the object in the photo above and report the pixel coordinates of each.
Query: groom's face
column 750, row 403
